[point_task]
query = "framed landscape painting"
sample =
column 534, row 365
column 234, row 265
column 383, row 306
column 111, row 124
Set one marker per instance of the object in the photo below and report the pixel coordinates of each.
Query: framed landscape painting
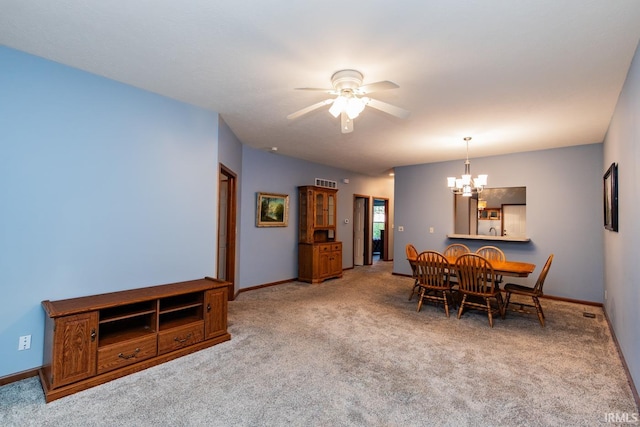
column 611, row 198
column 272, row 210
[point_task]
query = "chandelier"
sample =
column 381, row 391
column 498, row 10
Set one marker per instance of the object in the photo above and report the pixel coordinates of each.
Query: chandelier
column 466, row 185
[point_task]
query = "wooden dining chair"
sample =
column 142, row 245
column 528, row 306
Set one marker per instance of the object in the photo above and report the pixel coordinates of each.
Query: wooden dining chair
column 478, row 286
column 412, row 255
column 492, row 253
column 455, row 250
column 534, row 293
column 432, row 270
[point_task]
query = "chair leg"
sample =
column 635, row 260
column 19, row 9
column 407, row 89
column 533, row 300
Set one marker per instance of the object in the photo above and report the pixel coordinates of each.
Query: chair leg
column 507, row 298
column 464, row 298
column 501, row 306
column 489, row 312
column 539, row 310
column 446, row 302
column 420, row 297
column 413, row 290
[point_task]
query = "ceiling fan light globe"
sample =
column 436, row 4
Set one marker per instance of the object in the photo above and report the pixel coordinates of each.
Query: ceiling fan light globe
column 354, row 107
column 338, row 106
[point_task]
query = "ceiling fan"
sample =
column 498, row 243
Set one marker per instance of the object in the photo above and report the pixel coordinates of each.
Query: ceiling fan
column 350, row 101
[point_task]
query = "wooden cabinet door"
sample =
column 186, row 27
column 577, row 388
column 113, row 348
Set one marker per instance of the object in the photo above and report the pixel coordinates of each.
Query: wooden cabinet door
column 325, row 209
column 335, row 260
column 324, row 263
column 320, row 209
column 75, row 348
column 331, row 210
column 215, row 318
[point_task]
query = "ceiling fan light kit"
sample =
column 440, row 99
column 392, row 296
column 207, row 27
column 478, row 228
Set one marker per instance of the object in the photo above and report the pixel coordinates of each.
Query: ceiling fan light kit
column 350, row 100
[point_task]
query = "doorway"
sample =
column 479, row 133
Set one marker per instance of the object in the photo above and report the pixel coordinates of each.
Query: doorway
column 361, row 233
column 380, row 225
column 227, row 227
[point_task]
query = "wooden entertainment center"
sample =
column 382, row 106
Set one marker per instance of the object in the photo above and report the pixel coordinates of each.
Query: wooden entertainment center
column 94, row 339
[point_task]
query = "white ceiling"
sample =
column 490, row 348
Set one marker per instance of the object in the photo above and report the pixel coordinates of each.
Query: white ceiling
column 515, row 75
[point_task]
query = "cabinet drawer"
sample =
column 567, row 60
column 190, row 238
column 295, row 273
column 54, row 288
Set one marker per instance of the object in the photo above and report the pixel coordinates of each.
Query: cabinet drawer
column 336, row 247
column 123, row 354
column 324, row 248
column 183, row 336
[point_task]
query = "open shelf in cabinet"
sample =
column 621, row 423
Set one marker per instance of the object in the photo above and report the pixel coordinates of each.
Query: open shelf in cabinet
column 127, row 311
column 127, row 328
column 180, row 302
column 180, row 310
column 174, row 319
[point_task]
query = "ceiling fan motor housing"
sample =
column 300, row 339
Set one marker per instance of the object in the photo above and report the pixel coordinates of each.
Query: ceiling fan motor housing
column 346, row 79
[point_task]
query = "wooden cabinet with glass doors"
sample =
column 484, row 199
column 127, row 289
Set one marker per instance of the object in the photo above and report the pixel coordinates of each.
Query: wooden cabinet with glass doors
column 319, row 253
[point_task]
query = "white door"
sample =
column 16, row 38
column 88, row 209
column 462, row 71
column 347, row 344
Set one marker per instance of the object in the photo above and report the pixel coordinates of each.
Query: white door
column 358, row 231
column 514, row 220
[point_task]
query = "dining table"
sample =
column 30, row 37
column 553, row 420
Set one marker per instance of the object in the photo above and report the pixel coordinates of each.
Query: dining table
column 504, row 268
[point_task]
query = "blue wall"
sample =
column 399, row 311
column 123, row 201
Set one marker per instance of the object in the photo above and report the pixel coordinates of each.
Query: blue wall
column 271, row 254
column 564, row 213
column 622, row 258
column 102, row 187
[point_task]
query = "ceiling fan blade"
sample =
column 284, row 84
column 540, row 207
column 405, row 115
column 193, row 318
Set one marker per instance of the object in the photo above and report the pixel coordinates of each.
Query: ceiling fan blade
column 377, row 86
column 318, row 89
column 388, row 108
column 309, row 109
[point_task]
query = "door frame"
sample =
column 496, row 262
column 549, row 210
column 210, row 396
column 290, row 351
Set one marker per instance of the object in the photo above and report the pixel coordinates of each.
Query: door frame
column 368, row 224
column 230, row 244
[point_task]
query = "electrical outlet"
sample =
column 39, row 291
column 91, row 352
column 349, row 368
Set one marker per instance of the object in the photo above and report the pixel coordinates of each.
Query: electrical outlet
column 24, row 342
column 431, row 230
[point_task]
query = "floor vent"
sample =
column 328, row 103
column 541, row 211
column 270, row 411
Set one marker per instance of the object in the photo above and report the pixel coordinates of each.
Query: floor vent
column 326, row 183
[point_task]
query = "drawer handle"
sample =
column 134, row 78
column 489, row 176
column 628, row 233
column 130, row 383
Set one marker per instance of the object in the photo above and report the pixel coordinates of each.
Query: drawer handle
column 93, row 334
column 125, row 357
column 182, row 340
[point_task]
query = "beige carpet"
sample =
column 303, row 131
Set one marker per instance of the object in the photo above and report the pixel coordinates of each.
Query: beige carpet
column 354, row 351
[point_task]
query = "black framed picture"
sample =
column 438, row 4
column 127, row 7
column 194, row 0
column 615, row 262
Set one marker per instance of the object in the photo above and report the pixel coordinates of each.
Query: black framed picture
column 610, row 191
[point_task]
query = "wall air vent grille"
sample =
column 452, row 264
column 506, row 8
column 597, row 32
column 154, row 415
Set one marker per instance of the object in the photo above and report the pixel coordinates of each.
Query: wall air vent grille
column 326, row 183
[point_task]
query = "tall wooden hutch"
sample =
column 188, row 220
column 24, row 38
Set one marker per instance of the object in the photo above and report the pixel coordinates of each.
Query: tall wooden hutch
column 319, row 253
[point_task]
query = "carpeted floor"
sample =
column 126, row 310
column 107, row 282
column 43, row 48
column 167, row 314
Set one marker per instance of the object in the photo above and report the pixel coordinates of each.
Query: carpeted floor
column 354, row 352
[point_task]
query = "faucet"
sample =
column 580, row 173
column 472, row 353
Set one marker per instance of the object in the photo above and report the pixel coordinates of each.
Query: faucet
column 495, row 232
